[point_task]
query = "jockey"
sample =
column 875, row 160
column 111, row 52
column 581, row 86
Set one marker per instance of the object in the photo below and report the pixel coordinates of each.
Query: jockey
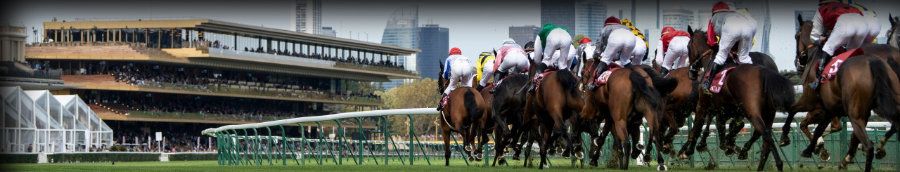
column 550, row 39
column 510, row 58
column 484, row 68
column 839, row 25
column 733, row 28
column 570, row 60
column 586, row 50
column 617, row 42
column 456, row 69
column 640, row 45
column 672, row 49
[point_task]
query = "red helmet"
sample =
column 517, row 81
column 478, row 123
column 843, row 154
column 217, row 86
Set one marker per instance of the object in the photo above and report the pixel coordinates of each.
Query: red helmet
column 720, row 6
column 585, row 40
column 612, row 20
column 667, row 29
column 455, row 51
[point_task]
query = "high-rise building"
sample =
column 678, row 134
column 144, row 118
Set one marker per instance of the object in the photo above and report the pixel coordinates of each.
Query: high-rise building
column 434, row 43
column 307, row 16
column 589, row 17
column 579, row 16
column 402, row 31
column 328, row 31
column 558, row 12
column 523, row 34
column 677, row 18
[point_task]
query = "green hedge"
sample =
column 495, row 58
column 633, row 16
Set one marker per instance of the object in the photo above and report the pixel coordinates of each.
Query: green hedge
column 102, row 157
column 18, row 158
column 192, row 156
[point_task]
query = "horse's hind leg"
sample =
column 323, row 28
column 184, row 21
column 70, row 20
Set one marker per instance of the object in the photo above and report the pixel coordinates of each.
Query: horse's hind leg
column 859, row 120
column 742, row 155
column 446, row 136
column 851, row 153
column 688, row 148
column 820, row 129
column 880, row 152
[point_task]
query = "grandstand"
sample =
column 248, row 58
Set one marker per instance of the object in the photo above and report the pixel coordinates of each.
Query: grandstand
column 182, row 75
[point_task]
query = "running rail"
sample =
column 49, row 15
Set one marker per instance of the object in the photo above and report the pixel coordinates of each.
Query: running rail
column 292, row 121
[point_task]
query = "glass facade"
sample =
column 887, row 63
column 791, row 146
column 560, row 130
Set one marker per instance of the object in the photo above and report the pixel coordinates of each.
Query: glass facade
column 434, row 43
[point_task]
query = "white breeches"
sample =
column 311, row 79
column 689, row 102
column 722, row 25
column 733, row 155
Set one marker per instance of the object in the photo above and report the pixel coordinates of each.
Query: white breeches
column 619, row 47
column 677, row 53
column 849, row 31
column 461, row 71
column 557, row 39
column 736, row 31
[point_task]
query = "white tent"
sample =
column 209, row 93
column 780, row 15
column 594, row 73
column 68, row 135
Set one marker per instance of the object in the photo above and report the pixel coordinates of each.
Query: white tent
column 37, row 121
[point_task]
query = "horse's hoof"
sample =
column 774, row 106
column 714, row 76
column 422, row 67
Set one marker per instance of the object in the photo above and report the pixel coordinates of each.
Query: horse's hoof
column 880, row 153
column 784, row 142
column 471, row 158
column 594, row 163
column 662, row 167
column 502, row 161
column 729, row 151
column 807, row 153
column 682, row 156
column 711, row 166
column 639, row 146
column 545, row 165
column 743, row 155
column 848, row 159
column 579, row 155
column 824, row 155
column 702, row 148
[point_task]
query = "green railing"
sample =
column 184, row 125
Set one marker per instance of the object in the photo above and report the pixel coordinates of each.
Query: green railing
column 291, row 141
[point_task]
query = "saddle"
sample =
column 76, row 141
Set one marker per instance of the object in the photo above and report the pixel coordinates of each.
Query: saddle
column 832, row 67
column 719, row 80
column 603, row 78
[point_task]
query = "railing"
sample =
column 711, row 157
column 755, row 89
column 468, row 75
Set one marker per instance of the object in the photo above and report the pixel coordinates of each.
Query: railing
column 271, row 142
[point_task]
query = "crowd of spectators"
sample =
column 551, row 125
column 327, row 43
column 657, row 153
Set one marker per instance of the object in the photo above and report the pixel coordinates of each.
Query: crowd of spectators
column 349, row 59
column 134, row 137
column 206, row 106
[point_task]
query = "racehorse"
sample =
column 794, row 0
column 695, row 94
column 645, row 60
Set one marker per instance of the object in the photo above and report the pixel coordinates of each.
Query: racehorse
column 506, row 110
column 893, row 35
column 554, row 100
column 627, row 97
column 461, row 115
column 751, row 91
column 864, row 82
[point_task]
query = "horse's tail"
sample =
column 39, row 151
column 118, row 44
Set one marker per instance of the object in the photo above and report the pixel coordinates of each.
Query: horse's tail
column 778, row 89
column 568, row 81
column 643, row 89
column 885, row 104
column 472, row 111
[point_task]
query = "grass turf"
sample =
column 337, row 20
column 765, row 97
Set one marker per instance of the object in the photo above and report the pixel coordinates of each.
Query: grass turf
column 212, row 166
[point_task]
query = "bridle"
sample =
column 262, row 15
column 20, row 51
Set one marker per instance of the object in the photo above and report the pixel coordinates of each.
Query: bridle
column 804, row 54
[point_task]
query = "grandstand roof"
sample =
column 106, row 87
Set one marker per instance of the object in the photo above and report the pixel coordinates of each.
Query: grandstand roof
column 231, row 28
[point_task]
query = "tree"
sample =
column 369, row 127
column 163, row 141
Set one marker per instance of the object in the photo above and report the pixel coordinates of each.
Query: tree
column 418, row 94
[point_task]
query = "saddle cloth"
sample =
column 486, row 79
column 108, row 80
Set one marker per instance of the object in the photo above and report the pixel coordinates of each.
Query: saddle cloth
column 832, row 67
column 539, row 78
column 604, row 77
column 719, row 81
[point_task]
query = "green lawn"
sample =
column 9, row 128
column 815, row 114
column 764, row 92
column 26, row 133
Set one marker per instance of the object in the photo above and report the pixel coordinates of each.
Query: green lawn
column 456, row 165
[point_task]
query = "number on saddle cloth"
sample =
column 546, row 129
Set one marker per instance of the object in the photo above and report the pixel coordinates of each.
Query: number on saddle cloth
column 603, row 78
column 831, row 69
column 719, row 81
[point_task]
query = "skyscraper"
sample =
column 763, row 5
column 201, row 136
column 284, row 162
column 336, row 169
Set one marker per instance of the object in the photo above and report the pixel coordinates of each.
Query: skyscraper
column 523, row 34
column 307, row 16
column 558, row 12
column 589, row 17
column 579, row 16
column 434, row 43
column 678, row 18
column 402, row 31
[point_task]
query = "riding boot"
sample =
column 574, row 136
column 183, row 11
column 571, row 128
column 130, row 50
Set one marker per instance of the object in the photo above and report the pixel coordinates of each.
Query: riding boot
column 823, row 58
column 713, row 70
column 601, row 67
column 538, row 70
column 663, row 71
column 498, row 77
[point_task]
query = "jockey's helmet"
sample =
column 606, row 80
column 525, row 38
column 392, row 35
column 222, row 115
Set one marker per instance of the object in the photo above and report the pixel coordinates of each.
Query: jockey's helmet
column 612, row 20
column 584, row 40
column 721, row 6
column 667, row 29
column 529, row 46
column 455, row 51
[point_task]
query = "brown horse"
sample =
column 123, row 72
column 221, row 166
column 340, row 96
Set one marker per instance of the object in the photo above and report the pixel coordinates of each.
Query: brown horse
column 865, row 82
column 626, row 99
column 462, row 115
column 750, row 91
column 555, row 101
column 893, row 34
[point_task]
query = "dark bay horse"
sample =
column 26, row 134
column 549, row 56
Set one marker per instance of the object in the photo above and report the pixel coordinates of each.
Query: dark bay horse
column 553, row 103
column 864, row 83
column 750, row 91
column 626, row 99
column 463, row 111
column 508, row 114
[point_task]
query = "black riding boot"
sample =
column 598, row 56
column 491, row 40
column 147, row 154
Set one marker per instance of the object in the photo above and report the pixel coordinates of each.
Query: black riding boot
column 498, row 76
column 823, row 58
column 601, row 67
column 663, row 71
column 713, row 70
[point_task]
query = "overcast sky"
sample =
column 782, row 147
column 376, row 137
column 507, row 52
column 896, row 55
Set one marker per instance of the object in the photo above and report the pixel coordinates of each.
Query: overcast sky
column 474, row 25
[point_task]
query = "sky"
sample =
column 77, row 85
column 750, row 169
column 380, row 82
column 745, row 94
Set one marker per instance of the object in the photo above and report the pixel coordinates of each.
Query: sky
column 475, row 25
